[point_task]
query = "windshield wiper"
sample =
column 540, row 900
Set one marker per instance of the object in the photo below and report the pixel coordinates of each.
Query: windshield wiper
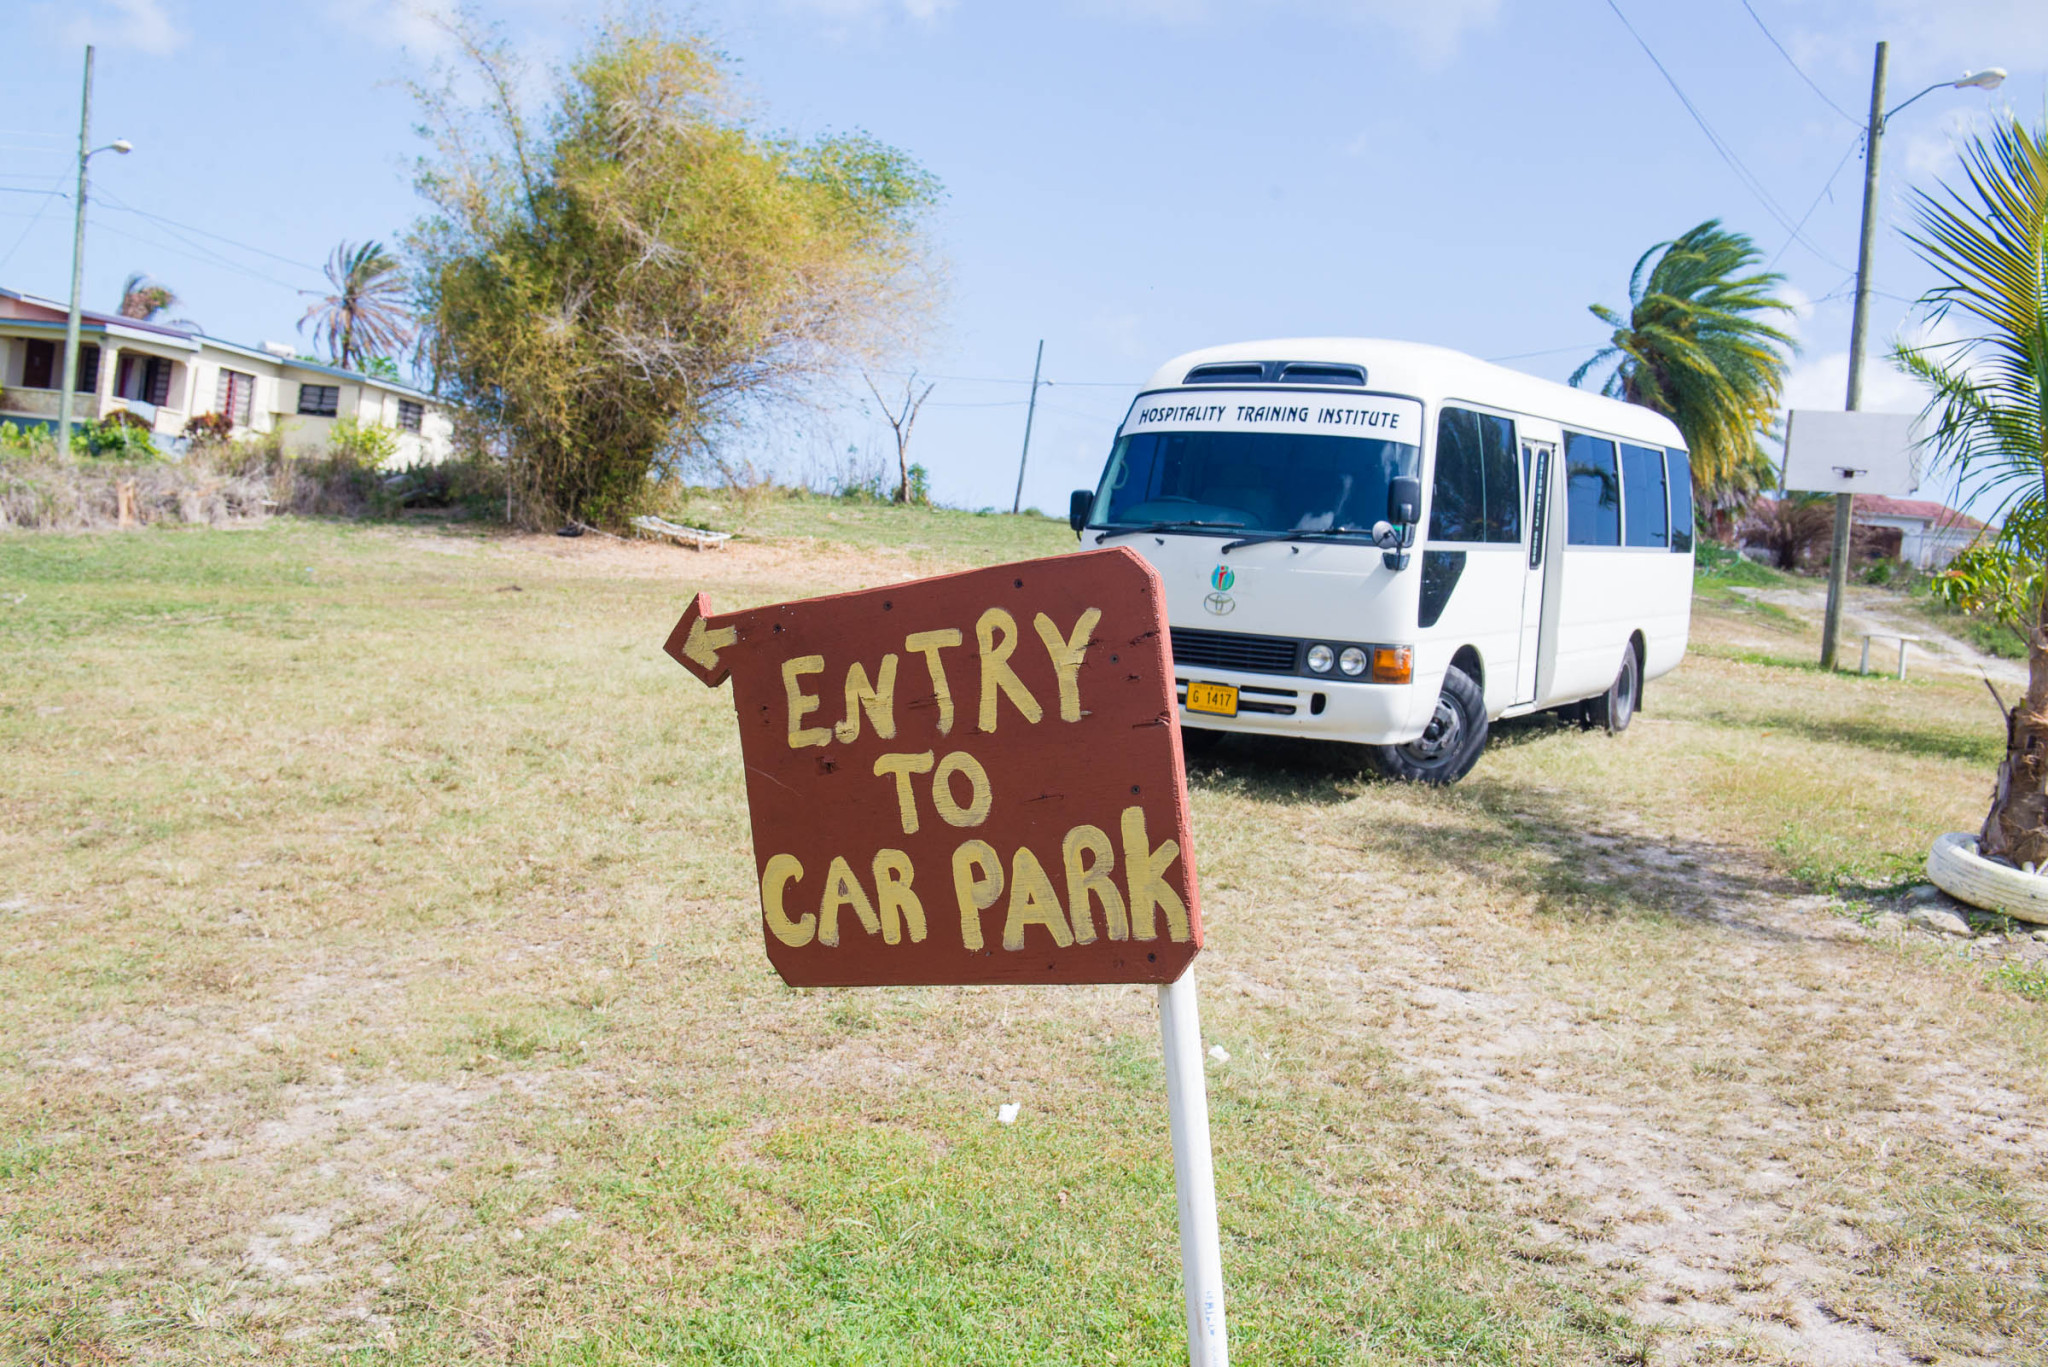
column 1158, row 527
column 1345, row 534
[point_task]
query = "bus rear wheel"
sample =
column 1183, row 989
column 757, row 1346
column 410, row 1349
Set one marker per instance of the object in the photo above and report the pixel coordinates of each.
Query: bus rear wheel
column 1613, row 710
column 1448, row 748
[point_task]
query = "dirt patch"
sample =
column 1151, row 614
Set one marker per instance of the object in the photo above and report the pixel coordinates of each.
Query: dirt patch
column 739, row 563
column 1868, row 610
column 1694, row 1153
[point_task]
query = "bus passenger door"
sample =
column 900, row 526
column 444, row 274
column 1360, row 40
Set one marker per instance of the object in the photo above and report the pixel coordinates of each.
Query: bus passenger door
column 1537, row 459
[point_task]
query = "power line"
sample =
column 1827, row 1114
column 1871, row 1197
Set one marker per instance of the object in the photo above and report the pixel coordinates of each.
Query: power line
column 1747, row 177
column 1796, row 67
column 201, row 255
column 54, row 195
column 992, row 379
column 125, row 208
column 1825, row 190
column 1553, row 351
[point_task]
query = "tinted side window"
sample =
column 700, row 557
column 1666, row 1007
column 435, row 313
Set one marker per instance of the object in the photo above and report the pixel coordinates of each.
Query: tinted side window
column 1680, row 467
column 1476, row 494
column 1592, row 492
column 1503, row 479
column 1648, row 521
column 1457, row 496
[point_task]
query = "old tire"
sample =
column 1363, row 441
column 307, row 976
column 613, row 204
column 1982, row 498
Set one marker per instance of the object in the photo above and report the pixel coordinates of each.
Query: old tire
column 1446, row 751
column 1954, row 866
column 1613, row 710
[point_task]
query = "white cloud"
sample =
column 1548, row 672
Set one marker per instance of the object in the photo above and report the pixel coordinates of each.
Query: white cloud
column 847, row 14
column 1930, row 40
column 1801, row 302
column 144, row 25
column 416, row 25
column 1931, row 151
column 1822, row 381
column 1933, row 39
column 1433, row 28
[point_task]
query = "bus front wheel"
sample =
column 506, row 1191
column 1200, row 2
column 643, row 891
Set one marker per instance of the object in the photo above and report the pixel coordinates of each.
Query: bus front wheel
column 1448, row 748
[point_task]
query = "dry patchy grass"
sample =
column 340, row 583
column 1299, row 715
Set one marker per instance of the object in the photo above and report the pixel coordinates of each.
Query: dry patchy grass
column 377, row 919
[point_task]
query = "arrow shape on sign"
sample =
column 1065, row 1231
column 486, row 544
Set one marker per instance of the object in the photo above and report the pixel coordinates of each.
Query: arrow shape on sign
column 705, row 642
column 695, row 642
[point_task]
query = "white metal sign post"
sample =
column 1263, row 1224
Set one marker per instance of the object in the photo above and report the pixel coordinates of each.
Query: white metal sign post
column 1194, row 1172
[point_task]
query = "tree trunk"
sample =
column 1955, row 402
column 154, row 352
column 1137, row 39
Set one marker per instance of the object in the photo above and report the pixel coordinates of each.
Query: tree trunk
column 2016, row 828
column 903, row 471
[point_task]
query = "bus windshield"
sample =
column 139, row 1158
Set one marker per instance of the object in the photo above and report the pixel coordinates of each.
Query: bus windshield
column 1256, row 481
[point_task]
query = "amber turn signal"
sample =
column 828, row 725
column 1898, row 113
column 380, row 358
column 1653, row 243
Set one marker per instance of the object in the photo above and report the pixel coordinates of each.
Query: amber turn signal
column 1393, row 664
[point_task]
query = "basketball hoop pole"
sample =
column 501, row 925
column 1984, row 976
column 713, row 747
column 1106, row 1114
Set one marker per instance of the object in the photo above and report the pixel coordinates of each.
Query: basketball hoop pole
column 1859, row 323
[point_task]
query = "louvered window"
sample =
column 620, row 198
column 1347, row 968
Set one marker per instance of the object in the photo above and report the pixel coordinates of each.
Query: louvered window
column 234, row 394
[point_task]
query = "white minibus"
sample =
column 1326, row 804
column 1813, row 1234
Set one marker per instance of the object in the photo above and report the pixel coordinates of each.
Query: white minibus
column 1393, row 544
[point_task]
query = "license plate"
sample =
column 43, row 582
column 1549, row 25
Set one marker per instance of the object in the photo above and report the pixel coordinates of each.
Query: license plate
column 1219, row 699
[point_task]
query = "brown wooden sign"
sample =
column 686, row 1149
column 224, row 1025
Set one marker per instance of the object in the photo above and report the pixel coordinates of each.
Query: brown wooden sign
column 969, row 779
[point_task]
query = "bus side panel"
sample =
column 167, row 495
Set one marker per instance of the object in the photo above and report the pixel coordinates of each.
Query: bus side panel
column 1667, row 632
column 1484, row 611
column 1603, row 599
column 1610, row 594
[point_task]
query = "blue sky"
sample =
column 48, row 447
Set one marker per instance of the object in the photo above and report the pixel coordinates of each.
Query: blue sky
column 1126, row 179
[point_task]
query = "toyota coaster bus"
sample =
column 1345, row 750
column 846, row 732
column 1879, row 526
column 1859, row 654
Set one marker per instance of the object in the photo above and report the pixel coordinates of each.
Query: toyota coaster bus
column 1392, row 544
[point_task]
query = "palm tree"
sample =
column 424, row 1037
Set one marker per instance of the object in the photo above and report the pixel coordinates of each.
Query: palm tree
column 1988, row 419
column 366, row 314
column 143, row 298
column 1695, row 347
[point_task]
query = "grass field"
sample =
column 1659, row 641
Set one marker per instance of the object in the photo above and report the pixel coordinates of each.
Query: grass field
column 384, row 977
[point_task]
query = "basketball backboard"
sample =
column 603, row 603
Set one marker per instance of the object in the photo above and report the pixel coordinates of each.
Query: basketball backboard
column 1829, row 452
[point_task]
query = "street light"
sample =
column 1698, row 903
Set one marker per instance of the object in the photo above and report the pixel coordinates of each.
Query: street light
column 1838, row 561
column 67, row 378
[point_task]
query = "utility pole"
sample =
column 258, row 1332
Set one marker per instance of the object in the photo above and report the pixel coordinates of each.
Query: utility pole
column 1030, row 411
column 1859, row 324
column 67, row 377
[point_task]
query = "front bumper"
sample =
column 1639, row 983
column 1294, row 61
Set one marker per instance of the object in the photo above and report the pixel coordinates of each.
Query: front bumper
column 1323, row 709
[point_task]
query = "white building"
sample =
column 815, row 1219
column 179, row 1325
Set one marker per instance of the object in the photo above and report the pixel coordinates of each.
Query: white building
column 162, row 378
column 1930, row 534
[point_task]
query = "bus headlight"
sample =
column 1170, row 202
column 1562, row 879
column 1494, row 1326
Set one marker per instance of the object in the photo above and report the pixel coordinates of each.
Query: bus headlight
column 1320, row 658
column 1352, row 661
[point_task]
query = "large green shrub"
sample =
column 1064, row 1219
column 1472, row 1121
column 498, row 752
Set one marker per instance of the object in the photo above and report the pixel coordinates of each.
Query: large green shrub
column 606, row 288
column 363, row 444
column 1996, row 583
column 33, row 442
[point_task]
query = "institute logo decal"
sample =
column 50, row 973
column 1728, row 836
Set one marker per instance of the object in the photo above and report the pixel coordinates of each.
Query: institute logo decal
column 1221, row 578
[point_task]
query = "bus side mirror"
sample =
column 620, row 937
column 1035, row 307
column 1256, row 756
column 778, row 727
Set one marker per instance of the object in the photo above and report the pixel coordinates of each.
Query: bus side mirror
column 1404, row 501
column 1404, row 510
column 1078, row 505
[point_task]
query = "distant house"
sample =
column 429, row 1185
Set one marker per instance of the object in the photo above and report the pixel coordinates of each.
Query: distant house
column 1929, row 534
column 162, row 378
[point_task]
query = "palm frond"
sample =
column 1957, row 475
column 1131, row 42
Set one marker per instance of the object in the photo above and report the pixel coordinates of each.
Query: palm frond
column 1696, row 346
column 366, row 314
column 1988, row 241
